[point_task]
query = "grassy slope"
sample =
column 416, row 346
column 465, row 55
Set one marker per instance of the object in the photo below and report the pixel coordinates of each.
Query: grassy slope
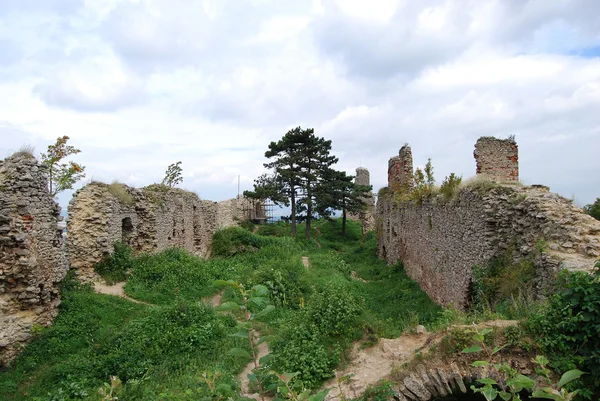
column 161, row 350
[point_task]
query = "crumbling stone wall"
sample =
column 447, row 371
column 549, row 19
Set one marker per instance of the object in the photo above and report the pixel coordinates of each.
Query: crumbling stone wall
column 149, row 220
column 400, row 169
column 232, row 211
column 498, row 159
column 32, row 261
column 440, row 240
column 367, row 218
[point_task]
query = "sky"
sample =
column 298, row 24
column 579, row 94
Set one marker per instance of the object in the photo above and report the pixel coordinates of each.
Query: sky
column 140, row 84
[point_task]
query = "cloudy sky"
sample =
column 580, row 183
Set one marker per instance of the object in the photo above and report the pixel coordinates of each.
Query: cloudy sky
column 140, row 84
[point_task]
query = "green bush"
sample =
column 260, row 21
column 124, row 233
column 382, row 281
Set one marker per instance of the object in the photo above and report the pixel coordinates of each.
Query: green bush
column 234, row 241
column 167, row 336
column 301, row 350
column 593, row 209
column 162, row 277
column 569, row 329
column 383, row 390
column 247, row 225
column 450, row 186
column 114, row 267
column 334, row 310
column 284, row 281
column 501, row 284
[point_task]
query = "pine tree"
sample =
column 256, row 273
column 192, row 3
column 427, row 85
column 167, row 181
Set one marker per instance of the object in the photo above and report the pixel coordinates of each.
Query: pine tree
column 299, row 160
column 315, row 163
column 339, row 192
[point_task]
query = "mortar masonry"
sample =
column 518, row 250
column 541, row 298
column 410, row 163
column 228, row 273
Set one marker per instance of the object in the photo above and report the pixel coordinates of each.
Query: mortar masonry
column 32, row 259
column 439, row 241
column 154, row 219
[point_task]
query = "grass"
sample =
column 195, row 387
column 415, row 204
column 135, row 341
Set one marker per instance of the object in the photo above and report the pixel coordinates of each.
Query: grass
column 153, row 349
column 119, row 191
column 25, row 150
column 160, row 350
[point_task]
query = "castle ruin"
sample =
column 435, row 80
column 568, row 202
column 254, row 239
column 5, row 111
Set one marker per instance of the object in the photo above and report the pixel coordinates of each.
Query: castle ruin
column 400, row 169
column 149, row 220
column 496, row 158
column 32, row 259
column 440, row 240
column 367, row 217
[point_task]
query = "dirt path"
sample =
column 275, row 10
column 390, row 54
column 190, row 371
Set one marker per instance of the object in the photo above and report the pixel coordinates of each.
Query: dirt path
column 372, row 364
column 115, row 289
column 316, row 240
column 263, row 350
column 215, row 300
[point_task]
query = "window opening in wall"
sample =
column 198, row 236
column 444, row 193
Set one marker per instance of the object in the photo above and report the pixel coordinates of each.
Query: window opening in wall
column 126, row 230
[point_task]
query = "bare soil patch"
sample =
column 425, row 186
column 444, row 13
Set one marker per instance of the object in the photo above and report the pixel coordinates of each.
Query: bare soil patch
column 115, row 289
column 372, row 364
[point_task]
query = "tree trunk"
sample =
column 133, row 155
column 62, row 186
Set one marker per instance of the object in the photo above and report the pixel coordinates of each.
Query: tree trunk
column 308, row 203
column 343, row 222
column 308, row 215
column 293, row 197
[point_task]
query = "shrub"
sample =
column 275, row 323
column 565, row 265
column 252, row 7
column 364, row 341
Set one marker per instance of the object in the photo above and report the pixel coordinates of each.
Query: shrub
column 185, row 330
column 334, row 309
column 593, row 209
column 247, row 225
column 233, row 241
column 283, row 279
column 450, row 185
column 301, row 350
column 113, row 268
column 500, row 281
column 569, row 329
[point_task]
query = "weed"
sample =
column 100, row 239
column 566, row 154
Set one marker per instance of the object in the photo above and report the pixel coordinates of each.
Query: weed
column 25, row 151
column 113, row 268
column 119, row 191
column 450, row 185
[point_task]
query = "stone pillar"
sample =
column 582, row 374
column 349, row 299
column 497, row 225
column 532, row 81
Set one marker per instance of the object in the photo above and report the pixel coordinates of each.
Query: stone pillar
column 32, row 259
column 400, row 169
column 497, row 159
column 362, row 176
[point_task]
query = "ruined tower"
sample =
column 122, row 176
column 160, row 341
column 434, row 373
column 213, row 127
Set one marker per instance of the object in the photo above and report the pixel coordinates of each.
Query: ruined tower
column 400, row 169
column 32, row 261
column 363, row 177
column 367, row 218
column 497, row 159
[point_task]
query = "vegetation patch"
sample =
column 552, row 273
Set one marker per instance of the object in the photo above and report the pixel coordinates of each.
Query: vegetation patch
column 114, row 267
column 119, row 191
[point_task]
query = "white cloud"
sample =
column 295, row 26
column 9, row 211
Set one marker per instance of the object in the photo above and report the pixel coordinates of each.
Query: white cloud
column 138, row 85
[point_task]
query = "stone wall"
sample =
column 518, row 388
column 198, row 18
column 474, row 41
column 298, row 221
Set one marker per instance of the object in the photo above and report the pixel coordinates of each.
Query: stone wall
column 149, row 220
column 32, row 261
column 498, row 159
column 440, row 240
column 400, row 169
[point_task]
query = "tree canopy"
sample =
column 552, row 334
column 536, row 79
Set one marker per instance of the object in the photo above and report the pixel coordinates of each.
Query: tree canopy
column 62, row 176
column 300, row 167
column 593, row 209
